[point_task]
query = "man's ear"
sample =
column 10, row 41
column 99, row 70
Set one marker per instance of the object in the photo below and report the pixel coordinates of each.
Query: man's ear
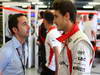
column 14, row 29
column 67, row 16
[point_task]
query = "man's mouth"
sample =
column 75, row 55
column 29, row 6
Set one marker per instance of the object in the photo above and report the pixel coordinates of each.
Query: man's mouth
column 27, row 31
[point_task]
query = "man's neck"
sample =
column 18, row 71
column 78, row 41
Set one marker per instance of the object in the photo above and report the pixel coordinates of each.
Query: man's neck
column 49, row 26
column 69, row 28
column 21, row 40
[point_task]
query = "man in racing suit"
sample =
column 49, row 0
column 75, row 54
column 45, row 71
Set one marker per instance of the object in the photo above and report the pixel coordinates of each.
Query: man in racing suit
column 52, row 45
column 77, row 55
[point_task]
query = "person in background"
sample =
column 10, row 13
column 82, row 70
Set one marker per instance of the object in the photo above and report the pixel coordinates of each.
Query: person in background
column 90, row 29
column 79, row 22
column 40, row 18
column 84, row 18
column 77, row 55
column 52, row 46
column 12, row 54
column 41, row 44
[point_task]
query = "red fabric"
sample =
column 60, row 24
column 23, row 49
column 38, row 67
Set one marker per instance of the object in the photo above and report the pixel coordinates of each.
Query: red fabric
column 42, row 34
column 42, row 38
column 51, row 49
column 13, row 9
column 51, row 55
column 86, row 13
column 95, row 48
column 69, row 59
column 69, row 34
column 64, row 38
column 51, row 28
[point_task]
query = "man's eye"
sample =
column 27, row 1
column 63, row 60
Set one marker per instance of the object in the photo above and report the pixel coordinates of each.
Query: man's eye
column 25, row 23
column 55, row 16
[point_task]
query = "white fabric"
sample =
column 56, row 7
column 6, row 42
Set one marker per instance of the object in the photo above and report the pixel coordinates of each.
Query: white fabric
column 51, row 40
column 82, row 53
column 80, row 25
column 88, row 27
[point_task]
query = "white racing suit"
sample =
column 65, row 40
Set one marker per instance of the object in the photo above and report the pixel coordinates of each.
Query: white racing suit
column 81, row 58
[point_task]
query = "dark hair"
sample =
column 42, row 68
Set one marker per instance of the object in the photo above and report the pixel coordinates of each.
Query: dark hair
column 41, row 14
column 13, row 21
column 64, row 6
column 91, row 15
column 49, row 17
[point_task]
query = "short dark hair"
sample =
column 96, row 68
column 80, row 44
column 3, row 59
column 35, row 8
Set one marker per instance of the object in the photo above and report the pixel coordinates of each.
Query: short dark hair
column 41, row 14
column 13, row 21
column 90, row 15
column 64, row 6
column 49, row 17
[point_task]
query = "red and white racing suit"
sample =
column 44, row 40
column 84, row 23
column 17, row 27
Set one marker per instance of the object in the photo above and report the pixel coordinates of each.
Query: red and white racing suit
column 77, row 55
column 51, row 42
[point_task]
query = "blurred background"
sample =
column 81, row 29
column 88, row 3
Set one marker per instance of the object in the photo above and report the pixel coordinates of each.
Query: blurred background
column 32, row 9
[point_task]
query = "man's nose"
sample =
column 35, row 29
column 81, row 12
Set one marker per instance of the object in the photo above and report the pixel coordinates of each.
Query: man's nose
column 28, row 27
column 54, row 21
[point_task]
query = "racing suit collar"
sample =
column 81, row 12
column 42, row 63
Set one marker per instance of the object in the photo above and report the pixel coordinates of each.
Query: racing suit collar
column 69, row 34
column 51, row 28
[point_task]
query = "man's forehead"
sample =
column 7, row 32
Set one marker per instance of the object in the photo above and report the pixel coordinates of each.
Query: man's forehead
column 56, row 12
column 22, row 19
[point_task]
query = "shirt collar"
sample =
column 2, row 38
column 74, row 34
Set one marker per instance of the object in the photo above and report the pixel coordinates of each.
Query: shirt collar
column 69, row 34
column 16, row 42
column 51, row 28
